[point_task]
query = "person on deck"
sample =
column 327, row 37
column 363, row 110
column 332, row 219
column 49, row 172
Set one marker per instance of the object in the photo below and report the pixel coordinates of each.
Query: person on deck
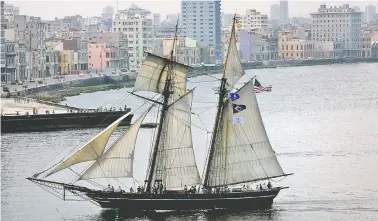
column 269, row 185
column 261, row 187
column 131, row 190
column 185, row 188
column 119, row 190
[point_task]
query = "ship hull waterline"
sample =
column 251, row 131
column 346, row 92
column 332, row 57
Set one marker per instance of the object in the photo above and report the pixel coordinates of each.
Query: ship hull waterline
column 179, row 202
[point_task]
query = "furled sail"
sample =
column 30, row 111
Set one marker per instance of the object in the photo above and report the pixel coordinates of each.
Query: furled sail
column 153, row 74
column 175, row 163
column 242, row 151
column 92, row 150
column 233, row 67
column 118, row 160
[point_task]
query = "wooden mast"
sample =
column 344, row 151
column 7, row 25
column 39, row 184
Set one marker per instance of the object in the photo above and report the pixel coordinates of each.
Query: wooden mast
column 166, row 93
column 222, row 93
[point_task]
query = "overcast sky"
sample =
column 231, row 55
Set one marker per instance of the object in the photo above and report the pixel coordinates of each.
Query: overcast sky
column 87, row 8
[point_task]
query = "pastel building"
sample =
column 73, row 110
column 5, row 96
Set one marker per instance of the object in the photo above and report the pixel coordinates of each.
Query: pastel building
column 98, row 57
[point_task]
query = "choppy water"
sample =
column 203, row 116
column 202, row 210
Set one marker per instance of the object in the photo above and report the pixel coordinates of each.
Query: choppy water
column 322, row 122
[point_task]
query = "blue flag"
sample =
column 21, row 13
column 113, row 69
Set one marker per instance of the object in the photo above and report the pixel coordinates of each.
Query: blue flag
column 234, row 96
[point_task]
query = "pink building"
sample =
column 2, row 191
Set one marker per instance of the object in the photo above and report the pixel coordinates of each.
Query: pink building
column 97, row 58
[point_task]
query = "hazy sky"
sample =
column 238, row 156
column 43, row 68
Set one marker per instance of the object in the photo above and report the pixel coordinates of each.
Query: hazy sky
column 87, row 8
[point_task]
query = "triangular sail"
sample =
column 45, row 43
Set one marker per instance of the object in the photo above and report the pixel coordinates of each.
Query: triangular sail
column 242, row 151
column 153, row 75
column 233, row 70
column 175, row 162
column 92, row 150
column 118, row 160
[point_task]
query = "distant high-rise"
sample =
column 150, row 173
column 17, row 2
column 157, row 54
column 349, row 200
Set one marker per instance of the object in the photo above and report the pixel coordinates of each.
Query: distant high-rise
column 157, row 19
column 284, row 11
column 201, row 20
column 370, row 11
column 107, row 13
column 275, row 12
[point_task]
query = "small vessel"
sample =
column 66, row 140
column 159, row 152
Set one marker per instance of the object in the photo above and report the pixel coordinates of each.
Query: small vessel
column 240, row 151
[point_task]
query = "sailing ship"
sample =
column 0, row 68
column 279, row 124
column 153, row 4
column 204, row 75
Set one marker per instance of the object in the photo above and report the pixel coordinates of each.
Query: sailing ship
column 240, row 151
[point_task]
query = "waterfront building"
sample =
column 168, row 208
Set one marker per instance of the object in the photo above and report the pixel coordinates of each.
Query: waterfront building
column 256, row 22
column 201, row 20
column 338, row 24
column 137, row 25
column 4, row 75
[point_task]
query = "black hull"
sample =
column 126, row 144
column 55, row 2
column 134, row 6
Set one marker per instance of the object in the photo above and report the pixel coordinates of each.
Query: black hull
column 50, row 122
column 150, row 202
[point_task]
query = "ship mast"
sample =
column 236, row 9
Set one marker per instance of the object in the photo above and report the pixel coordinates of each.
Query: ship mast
column 222, row 93
column 166, row 94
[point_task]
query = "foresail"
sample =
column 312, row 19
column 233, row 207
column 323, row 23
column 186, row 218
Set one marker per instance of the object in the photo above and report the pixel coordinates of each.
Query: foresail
column 92, row 150
column 233, row 67
column 118, row 160
column 176, row 165
column 153, row 74
column 243, row 152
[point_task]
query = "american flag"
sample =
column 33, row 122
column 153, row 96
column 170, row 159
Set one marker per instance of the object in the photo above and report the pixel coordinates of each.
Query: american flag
column 259, row 88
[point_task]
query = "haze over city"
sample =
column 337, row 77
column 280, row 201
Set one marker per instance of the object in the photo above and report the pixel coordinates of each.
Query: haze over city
column 87, row 8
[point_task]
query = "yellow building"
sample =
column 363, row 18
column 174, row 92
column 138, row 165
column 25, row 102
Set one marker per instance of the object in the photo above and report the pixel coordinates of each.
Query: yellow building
column 290, row 47
column 66, row 59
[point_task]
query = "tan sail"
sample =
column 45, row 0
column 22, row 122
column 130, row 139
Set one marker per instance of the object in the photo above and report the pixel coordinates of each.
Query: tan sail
column 233, row 70
column 153, row 74
column 118, row 160
column 176, row 164
column 92, row 150
column 243, row 152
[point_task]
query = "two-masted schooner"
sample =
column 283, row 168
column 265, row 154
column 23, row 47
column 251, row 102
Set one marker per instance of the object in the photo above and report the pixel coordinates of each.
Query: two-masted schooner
column 240, row 151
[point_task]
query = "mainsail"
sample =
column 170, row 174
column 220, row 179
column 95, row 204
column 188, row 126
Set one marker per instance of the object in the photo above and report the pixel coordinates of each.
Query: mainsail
column 240, row 150
column 118, row 160
column 92, row 150
column 153, row 75
column 175, row 163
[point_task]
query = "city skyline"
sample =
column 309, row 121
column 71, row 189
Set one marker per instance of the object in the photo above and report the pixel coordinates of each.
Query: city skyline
column 58, row 8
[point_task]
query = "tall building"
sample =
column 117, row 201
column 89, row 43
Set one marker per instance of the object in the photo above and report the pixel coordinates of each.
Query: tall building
column 157, row 18
column 107, row 13
column 201, row 20
column 137, row 24
column 338, row 24
column 255, row 22
column 284, row 11
column 370, row 11
column 10, row 11
column 2, row 42
column 275, row 12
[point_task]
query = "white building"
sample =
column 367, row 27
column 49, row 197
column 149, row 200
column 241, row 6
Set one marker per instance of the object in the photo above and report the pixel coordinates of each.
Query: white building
column 338, row 24
column 284, row 11
column 10, row 11
column 201, row 20
column 137, row 24
column 255, row 22
column 92, row 21
column 275, row 12
column 370, row 11
column 157, row 19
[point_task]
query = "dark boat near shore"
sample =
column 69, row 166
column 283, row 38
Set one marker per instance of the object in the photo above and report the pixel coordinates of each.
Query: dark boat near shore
column 49, row 122
column 239, row 154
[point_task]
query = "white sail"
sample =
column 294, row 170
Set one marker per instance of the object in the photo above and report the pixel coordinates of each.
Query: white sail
column 118, row 160
column 175, row 163
column 242, row 151
column 92, row 150
column 153, row 74
column 233, row 67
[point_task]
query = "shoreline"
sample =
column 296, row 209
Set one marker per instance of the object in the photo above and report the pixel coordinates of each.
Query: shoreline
column 58, row 92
